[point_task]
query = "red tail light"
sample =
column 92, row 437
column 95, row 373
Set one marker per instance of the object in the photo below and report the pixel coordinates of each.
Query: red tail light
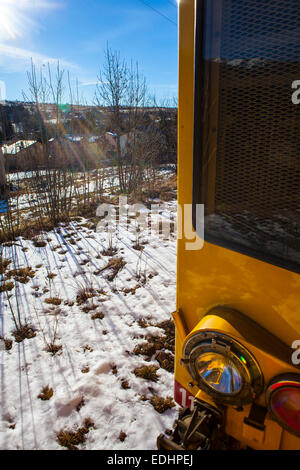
column 283, row 399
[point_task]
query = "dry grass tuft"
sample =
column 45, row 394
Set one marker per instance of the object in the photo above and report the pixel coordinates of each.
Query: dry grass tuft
column 125, row 385
column 84, row 262
column 98, row 315
column 159, row 344
column 147, row 373
column 38, row 242
column 146, row 349
column 153, row 274
column 53, row 300
column 111, row 251
column 169, row 328
column 80, row 404
column 138, row 247
column 6, row 286
column 115, row 265
column 164, row 189
column 71, row 439
column 84, row 294
column 85, row 370
column 51, row 275
column 165, row 360
column 143, row 398
column 143, row 323
column 53, row 348
column 101, row 291
column 122, row 436
column 7, row 343
column 88, row 308
column 22, row 275
column 4, row 264
column 46, row 393
column 131, row 290
column 162, row 404
column 24, row 332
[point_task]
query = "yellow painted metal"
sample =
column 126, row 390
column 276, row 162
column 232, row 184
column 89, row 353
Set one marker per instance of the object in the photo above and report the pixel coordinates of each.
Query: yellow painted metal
column 272, row 356
column 215, row 276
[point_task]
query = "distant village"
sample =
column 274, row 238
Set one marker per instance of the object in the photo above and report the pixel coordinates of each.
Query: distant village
column 80, row 137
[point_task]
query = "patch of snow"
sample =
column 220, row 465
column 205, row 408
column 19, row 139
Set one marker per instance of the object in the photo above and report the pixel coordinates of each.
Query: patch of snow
column 30, row 423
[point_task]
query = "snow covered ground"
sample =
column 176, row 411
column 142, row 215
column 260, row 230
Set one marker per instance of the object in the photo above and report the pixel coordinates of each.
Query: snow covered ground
column 92, row 373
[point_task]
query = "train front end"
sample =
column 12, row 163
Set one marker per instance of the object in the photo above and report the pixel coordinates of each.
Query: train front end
column 237, row 375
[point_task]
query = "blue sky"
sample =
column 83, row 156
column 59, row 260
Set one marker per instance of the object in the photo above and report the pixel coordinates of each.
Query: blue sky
column 76, row 33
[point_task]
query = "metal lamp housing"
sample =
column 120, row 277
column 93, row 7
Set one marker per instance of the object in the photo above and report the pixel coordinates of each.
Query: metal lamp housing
column 235, row 353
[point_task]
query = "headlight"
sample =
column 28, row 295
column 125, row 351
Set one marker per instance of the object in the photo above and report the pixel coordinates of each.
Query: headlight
column 223, row 368
column 283, row 400
column 219, row 372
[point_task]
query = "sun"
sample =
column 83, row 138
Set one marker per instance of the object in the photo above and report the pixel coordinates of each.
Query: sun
column 10, row 27
column 17, row 16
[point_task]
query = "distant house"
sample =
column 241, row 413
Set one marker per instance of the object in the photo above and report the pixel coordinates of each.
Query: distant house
column 16, row 147
column 18, row 127
column 23, row 155
column 125, row 139
column 111, row 138
column 73, row 138
column 92, row 139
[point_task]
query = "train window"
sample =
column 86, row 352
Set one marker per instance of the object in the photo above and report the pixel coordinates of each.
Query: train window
column 247, row 126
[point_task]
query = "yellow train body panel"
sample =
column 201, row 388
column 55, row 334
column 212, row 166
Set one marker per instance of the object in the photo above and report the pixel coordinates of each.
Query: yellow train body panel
column 214, row 276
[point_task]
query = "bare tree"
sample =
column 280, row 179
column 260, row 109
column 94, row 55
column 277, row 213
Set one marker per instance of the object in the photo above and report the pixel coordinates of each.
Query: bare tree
column 123, row 90
column 56, row 88
column 167, row 123
column 38, row 93
column 51, row 190
column 2, row 173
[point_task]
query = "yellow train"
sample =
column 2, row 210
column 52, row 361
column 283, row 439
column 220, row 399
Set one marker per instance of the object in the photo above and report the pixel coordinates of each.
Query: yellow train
column 237, row 373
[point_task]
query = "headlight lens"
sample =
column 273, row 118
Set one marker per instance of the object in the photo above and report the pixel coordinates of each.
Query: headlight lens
column 223, row 368
column 283, row 399
column 219, row 372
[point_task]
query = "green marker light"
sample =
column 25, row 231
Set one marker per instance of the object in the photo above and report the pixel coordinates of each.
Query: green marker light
column 243, row 359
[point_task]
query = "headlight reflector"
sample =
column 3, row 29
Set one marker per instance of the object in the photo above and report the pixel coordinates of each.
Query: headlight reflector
column 223, row 368
column 219, row 372
column 283, row 399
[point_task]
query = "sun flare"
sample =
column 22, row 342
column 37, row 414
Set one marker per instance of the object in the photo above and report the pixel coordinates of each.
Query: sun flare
column 17, row 16
column 9, row 20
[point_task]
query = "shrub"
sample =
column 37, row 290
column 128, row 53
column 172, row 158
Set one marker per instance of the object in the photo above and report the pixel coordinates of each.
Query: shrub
column 162, row 404
column 46, row 393
column 147, row 372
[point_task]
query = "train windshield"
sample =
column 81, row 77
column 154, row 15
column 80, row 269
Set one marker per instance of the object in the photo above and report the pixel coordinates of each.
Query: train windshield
column 247, row 127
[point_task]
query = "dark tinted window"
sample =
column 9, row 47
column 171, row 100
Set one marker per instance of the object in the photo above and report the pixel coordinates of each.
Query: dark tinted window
column 250, row 148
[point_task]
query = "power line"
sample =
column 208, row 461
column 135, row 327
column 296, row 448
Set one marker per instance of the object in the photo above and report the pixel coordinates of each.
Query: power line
column 159, row 12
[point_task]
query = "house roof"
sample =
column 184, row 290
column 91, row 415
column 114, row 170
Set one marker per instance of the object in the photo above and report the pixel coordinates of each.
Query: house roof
column 15, row 148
